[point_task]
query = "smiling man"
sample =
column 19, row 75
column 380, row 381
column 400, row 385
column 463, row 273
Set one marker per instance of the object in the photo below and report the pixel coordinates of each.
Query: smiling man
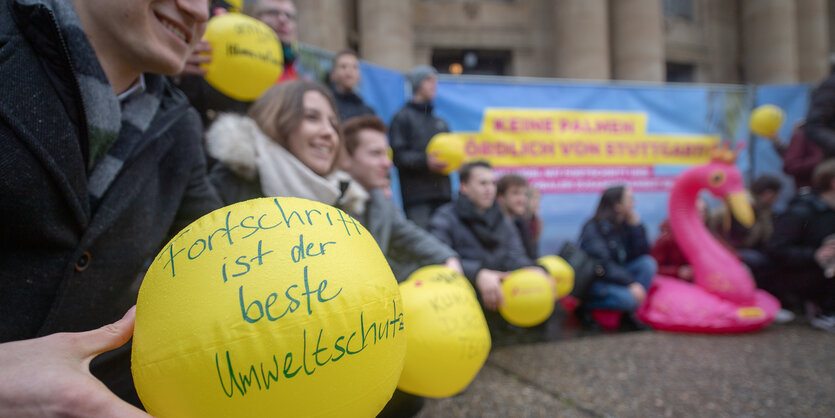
column 100, row 162
column 405, row 245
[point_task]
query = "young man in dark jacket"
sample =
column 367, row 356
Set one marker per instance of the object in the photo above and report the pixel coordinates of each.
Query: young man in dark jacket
column 100, row 161
column 422, row 182
column 801, row 246
column 485, row 239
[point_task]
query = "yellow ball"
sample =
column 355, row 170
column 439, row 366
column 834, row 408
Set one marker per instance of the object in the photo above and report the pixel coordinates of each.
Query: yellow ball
column 270, row 307
column 561, row 271
column 448, row 339
column 246, row 56
column 528, row 298
column 235, row 5
column 448, row 148
column 766, row 120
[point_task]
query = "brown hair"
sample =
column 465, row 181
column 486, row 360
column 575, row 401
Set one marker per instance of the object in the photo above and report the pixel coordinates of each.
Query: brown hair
column 823, row 175
column 280, row 109
column 352, row 127
column 510, row 180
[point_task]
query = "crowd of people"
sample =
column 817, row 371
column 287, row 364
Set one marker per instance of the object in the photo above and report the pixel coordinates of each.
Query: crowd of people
column 91, row 192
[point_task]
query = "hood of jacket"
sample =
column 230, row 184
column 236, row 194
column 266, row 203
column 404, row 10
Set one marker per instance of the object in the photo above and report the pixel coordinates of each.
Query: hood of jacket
column 231, row 140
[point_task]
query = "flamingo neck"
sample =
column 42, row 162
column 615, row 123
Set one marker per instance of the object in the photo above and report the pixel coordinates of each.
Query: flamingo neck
column 689, row 230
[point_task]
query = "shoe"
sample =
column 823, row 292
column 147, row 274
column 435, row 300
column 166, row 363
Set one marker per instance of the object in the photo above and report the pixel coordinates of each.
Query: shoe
column 783, row 316
column 824, row 322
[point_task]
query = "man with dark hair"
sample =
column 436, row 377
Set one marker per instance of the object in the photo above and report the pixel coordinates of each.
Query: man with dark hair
column 802, row 246
column 405, row 245
column 100, row 162
column 344, row 79
column 512, row 197
column 423, row 183
column 485, row 239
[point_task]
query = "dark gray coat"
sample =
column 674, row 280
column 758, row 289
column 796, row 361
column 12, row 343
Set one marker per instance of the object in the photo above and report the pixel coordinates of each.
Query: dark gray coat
column 411, row 130
column 451, row 230
column 405, row 245
column 64, row 267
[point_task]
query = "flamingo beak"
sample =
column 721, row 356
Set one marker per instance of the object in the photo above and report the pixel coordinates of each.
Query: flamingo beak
column 741, row 208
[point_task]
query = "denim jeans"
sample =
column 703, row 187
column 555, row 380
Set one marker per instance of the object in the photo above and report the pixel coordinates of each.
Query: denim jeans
column 608, row 295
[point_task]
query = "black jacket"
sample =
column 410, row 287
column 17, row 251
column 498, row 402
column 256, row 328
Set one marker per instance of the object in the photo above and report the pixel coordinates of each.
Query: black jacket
column 820, row 120
column 410, row 131
column 350, row 104
column 65, row 267
column 614, row 247
column 507, row 255
column 798, row 233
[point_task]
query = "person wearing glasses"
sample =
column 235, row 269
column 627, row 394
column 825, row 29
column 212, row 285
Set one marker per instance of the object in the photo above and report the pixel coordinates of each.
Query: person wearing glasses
column 281, row 17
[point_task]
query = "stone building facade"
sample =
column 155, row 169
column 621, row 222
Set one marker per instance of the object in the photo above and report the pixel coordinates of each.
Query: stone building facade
column 709, row 41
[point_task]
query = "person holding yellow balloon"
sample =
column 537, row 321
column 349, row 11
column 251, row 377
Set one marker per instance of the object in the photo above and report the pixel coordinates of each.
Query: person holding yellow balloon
column 241, row 56
column 424, row 184
column 485, row 239
column 405, row 245
column 101, row 161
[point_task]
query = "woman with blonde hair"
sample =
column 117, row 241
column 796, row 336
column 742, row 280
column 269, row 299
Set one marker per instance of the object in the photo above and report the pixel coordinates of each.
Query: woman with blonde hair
column 287, row 145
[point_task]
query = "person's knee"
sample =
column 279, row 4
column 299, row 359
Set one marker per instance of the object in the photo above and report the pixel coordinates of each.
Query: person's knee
column 644, row 268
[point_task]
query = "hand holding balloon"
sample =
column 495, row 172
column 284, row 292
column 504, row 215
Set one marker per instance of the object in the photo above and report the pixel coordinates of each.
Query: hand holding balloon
column 454, row 264
column 50, row 376
column 435, row 164
column 489, row 285
column 199, row 58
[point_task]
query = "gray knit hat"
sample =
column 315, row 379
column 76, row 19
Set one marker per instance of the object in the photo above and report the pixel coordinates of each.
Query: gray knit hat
column 418, row 74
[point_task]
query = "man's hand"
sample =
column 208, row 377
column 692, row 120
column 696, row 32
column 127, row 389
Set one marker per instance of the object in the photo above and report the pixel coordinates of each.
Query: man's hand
column 50, row 376
column 489, row 285
column 202, row 54
column 435, row 165
column 454, row 264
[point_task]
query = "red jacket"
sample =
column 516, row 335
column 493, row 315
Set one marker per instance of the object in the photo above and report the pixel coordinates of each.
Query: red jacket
column 802, row 156
column 667, row 252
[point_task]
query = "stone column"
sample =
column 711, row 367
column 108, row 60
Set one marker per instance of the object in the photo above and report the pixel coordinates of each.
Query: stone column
column 769, row 41
column 812, row 40
column 637, row 40
column 722, row 38
column 323, row 23
column 386, row 36
column 581, row 39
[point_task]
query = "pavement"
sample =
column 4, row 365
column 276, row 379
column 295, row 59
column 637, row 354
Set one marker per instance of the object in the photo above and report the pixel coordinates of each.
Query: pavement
column 781, row 371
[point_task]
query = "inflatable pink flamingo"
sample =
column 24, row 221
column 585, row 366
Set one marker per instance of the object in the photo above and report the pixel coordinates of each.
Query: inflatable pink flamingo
column 723, row 297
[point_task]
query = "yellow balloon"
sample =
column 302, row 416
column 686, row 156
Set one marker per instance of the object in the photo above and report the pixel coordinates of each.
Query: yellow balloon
column 448, row 339
column 766, row 120
column 270, row 307
column 448, row 148
column 246, row 56
column 235, row 5
column 528, row 298
column 561, row 271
